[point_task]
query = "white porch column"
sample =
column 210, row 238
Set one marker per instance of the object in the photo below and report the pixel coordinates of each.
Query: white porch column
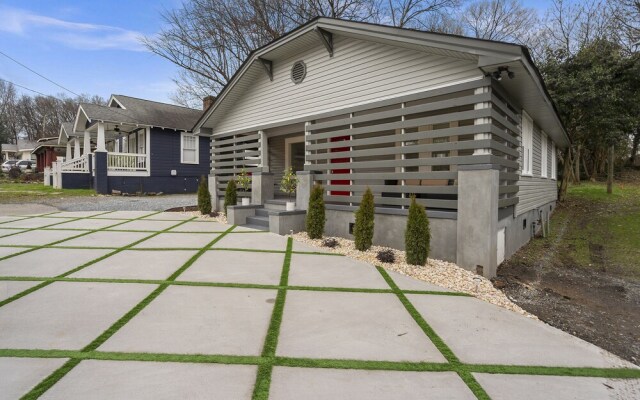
column 68, row 156
column 76, row 152
column 87, row 143
column 101, row 140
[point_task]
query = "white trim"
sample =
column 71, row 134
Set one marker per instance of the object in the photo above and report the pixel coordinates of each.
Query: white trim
column 287, row 149
column 544, row 164
column 112, row 99
column 526, row 134
column 197, row 149
column 148, row 149
column 554, row 162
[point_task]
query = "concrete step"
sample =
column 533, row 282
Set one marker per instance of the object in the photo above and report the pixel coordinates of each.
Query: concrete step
column 259, row 221
column 261, row 212
column 278, row 205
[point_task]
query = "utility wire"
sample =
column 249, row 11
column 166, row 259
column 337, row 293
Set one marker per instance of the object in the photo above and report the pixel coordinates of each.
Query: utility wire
column 37, row 73
column 31, row 90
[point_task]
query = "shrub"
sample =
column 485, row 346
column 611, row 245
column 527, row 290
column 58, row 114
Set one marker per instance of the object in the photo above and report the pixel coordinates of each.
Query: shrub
column 417, row 235
column 230, row 195
column 386, row 256
column 363, row 229
column 315, row 213
column 330, row 242
column 244, row 180
column 289, row 182
column 14, row 172
column 204, row 197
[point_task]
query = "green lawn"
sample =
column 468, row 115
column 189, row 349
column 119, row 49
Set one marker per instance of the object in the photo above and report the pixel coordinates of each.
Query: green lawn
column 596, row 230
column 29, row 191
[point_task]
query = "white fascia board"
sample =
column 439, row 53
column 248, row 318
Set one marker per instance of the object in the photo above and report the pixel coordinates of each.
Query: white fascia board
column 112, row 99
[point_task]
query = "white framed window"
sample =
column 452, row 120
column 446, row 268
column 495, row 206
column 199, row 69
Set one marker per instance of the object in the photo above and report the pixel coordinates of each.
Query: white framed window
column 554, row 161
column 543, row 156
column 527, row 144
column 189, row 148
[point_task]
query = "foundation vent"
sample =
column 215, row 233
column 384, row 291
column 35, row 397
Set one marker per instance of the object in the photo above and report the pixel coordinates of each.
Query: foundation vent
column 298, row 72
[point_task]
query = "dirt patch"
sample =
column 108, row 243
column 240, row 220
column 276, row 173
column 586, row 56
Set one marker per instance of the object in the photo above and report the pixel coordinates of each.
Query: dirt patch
column 584, row 278
column 183, row 209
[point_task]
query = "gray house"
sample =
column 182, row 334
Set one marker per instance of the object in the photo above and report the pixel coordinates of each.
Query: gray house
column 464, row 124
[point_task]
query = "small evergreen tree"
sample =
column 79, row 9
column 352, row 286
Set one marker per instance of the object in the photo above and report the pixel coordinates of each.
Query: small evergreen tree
column 315, row 213
column 417, row 236
column 204, row 197
column 230, row 195
column 363, row 229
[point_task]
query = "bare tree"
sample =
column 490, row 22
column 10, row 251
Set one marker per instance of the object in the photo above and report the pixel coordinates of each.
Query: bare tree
column 503, row 20
column 417, row 13
column 626, row 15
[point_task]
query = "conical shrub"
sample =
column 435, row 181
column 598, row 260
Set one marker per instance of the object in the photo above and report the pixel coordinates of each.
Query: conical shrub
column 230, row 195
column 204, row 197
column 363, row 229
column 417, row 236
column 315, row 213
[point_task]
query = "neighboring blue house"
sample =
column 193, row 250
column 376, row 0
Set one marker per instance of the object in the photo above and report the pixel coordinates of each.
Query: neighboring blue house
column 133, row 145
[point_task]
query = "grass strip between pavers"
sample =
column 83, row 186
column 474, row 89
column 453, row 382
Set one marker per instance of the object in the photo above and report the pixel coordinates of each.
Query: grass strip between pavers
column 448, row 354
column 22, row 217
column 58, row 374
column 48, row 282
column 263, row 377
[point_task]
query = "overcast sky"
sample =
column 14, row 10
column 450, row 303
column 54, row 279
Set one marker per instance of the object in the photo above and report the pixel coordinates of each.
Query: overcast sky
column 89, row 46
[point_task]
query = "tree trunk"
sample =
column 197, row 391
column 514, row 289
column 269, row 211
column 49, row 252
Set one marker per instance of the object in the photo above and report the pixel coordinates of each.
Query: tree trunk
column 634, row 146
column 567, row 170
column 576, row 161
column 610, row 170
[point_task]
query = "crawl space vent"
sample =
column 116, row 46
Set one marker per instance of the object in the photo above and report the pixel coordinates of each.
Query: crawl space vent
column 298, row 72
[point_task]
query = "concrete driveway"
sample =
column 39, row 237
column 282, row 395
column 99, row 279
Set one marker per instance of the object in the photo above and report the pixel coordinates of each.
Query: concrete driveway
column 133, row 304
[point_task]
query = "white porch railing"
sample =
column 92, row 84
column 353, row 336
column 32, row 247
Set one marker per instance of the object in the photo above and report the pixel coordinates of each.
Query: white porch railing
column 77, row 165
column 127, row 162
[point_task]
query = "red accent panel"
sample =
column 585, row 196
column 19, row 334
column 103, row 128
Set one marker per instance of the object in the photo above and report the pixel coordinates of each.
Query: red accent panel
column 345, row 182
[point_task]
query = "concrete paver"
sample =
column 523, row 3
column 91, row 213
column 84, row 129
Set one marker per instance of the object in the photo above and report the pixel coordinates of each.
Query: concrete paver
column 125, row 214
column 348, row 384
column 7, row 251
column 169, row 216
column 37, row 222
column 177, row 241
column 144, row 225
column 201, row 227
column 154, row 380
column 236, row 267
column 298, row 246
column 79, row 214
column 19, row 375
column 255, row 241
column 132, row 264
column 38, row 237
column 199, row 320
column 333, row 271
column 89, row 224
column 9, row 231
column 66, row 315
column 48, row 262
column 363, row 326
column 11, row 288
column 531, row 387
column 480, row 333
column 106, row 239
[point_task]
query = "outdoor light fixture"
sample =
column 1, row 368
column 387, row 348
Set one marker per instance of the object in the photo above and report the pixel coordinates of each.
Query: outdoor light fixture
column 497, row 74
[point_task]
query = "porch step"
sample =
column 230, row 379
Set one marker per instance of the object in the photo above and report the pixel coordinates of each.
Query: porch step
column 278, row 205
column 259, row 221
column 261, row 212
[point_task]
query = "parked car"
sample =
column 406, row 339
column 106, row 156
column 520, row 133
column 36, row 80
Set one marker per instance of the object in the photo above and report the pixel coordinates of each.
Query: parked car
column 26, row 165
column 7, row 165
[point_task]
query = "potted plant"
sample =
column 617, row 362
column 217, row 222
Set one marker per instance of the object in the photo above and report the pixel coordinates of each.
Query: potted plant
column 244, row 181
column 288, row 185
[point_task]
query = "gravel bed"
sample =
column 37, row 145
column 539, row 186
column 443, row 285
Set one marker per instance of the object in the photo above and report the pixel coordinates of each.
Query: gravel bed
column 123, row 203
column 437, row 272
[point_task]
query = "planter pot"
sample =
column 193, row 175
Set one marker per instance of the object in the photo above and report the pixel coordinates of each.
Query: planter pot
column 246, row 201
column 291, row 205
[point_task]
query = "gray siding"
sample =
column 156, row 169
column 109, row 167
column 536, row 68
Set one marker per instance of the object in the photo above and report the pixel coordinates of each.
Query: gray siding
column 360, row 72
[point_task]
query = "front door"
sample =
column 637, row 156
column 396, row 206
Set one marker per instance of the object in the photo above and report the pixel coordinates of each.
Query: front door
column 297, row 156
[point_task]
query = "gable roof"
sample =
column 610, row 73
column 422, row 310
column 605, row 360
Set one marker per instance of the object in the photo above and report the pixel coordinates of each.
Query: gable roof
column 528, row 88
column 131, row 110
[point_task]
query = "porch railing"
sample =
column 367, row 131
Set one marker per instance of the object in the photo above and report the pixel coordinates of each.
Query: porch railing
column 126, row 162
column 76, row 165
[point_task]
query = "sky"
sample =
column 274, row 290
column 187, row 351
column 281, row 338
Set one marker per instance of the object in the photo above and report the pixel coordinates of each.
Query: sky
column 91, row 46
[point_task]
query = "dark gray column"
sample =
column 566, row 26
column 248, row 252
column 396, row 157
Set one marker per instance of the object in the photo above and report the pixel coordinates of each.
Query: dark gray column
column 101, row 183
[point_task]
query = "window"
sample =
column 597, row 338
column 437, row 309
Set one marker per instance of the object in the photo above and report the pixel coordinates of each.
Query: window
column 527, row 144
column 554, row 160
column 188, row 149
column 543, row 160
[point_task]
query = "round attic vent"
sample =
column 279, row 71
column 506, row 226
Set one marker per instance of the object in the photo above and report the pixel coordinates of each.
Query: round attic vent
column 298, row 71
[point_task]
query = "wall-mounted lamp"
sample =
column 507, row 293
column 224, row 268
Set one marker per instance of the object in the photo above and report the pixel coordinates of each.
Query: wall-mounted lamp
column 497, row 74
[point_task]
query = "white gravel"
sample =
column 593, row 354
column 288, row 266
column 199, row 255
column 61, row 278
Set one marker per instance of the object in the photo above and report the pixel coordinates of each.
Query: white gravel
column 437, row 272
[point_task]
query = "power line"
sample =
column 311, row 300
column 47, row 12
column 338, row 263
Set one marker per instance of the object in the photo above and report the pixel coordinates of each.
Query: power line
column 37, row 73
column 31, row 90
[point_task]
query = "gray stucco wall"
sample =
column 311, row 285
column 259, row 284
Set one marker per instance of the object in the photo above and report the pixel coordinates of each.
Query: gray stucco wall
column 389, row 231
column 517, row 232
